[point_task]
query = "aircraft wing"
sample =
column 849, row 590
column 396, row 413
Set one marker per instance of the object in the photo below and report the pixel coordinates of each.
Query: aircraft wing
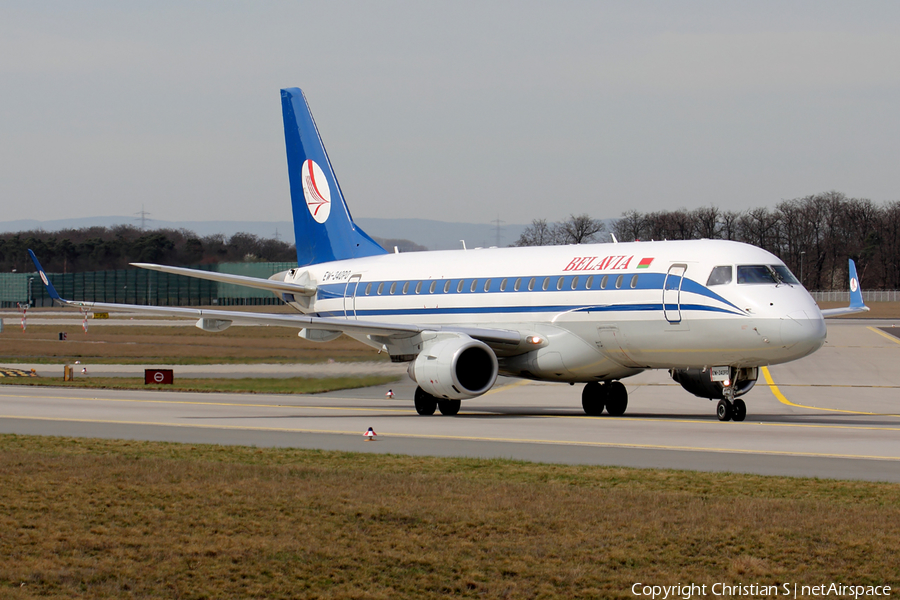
column 254, row 282
column 492, row 337
column 856, row 300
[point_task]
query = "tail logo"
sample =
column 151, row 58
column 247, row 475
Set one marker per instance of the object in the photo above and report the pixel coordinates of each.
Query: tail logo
column 316, row 191
column 854, row 285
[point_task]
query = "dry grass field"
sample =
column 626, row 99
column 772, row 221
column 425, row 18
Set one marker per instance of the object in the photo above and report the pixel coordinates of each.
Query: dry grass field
column 96, row 518
column 172, row 345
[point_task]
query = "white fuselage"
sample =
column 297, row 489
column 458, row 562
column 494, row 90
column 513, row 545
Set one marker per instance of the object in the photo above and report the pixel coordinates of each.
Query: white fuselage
column 606, row 310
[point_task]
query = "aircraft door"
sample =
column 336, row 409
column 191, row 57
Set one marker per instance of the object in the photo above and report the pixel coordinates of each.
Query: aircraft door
column 350, row 297
column 672, row 293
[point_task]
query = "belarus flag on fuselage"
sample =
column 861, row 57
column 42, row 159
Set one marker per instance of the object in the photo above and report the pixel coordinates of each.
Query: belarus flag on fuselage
column 645, row 263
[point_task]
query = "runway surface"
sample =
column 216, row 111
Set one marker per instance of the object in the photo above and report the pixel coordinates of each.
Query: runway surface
column 835, row 414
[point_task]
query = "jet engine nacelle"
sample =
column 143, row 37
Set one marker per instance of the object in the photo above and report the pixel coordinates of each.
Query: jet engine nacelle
column 455, row 368
column 699, row 381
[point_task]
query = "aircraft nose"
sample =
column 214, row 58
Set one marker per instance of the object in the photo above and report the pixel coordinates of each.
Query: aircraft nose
column 802, row 332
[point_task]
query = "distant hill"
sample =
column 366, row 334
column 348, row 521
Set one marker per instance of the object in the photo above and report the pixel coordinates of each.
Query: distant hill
column 433, row 235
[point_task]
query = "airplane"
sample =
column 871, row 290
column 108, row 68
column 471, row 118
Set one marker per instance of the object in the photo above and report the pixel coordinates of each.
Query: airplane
column 711, row 312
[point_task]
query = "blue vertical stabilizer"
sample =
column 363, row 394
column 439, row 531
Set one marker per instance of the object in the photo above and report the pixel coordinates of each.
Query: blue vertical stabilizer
column 323, row 228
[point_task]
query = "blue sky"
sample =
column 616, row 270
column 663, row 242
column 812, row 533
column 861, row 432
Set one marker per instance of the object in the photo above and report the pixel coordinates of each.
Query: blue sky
column 456, row 111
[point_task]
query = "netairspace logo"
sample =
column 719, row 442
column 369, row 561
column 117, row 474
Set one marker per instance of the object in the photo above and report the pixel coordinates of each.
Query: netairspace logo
column 789, row 590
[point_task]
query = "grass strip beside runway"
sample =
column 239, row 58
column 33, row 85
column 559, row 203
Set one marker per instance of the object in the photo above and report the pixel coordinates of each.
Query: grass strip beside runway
column 249, row 385
column 114, row 518
column 137, row 344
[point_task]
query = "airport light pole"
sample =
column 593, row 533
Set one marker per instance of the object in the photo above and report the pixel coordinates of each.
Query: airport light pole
column 802, row 255
column 30, row 297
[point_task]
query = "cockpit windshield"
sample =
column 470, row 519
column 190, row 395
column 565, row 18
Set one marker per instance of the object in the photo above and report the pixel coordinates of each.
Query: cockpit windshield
column 719, row 276
column 756, row 274
column 785, row 274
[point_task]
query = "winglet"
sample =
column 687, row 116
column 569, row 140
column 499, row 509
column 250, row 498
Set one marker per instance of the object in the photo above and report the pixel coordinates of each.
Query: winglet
column 856, row 300
column 50, row 289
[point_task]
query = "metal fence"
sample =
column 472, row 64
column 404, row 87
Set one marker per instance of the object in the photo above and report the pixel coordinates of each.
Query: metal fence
column 141, row 286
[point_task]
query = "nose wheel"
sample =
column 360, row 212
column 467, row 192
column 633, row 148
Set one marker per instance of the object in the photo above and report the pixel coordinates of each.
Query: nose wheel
column 727, row 410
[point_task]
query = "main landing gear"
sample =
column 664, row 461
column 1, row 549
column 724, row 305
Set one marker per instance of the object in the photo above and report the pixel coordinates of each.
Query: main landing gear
column 612, row 395
column 426, row 404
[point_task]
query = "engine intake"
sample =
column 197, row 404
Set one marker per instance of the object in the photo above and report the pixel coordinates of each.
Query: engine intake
column 699, row 383
column 455, row 368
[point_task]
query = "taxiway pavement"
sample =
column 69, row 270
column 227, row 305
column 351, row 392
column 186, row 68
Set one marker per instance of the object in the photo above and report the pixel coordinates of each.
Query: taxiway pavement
column 835, row 414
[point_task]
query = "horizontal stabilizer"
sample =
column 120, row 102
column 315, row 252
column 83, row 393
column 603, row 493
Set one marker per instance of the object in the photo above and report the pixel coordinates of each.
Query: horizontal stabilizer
column 253, row 282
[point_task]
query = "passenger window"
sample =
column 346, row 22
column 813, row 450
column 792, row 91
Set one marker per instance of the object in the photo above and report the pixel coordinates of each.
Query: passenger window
column 447, row 287
column 603, row 282
column 418, row 287
column 546, row 283
column 754, row 274
column 619, row 282
column 719, row 276
column 590, row 283
column 474, row 285
column 487, row 285
column 432, row 287
column 405, row 287
column 380, row 288
column 393, row 288
column 559, row 283
column 368, row 289
column 517, row 285
column 575, row 282
column 634, row 281
column 459, row 286
column 503, row 285
column 531, row 284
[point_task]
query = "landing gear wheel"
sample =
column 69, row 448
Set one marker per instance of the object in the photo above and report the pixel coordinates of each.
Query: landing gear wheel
column 724, row 410
column 448, row 407
column 739, row 410
column 593, row 398
column 616, row 398
column 426, row 404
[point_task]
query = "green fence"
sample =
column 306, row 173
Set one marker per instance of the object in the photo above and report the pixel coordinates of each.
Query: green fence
column 141, row 286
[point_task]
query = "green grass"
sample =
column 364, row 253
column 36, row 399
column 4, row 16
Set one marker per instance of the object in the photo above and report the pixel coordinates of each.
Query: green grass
column 250, row 385
column 103, row 518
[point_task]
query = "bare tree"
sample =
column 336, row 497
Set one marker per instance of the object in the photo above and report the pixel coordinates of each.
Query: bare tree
column 539, row 233
column 706, row 222
column 632, row 226
column 580, row 229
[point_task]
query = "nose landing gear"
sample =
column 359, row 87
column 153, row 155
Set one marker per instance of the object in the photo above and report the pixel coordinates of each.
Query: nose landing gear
column 730, row 408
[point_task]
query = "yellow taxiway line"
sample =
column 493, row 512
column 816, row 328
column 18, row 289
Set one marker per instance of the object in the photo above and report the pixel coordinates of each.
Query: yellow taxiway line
column 883, row 334
column 781, row 398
